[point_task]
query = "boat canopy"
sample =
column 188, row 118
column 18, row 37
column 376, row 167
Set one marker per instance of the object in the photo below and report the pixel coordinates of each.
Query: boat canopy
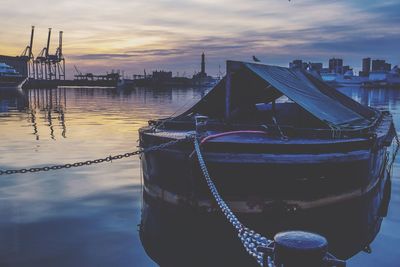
column 248, row 84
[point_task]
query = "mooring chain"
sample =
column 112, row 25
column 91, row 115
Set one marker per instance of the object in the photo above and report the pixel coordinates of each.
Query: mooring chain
column 90, row 162
column 71, row 165
column 249, row 238
column 283, row 136
column 394, row 152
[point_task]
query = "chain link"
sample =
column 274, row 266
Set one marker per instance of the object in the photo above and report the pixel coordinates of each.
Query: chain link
column 395, row 150
column 249, row 238
column 95, row 161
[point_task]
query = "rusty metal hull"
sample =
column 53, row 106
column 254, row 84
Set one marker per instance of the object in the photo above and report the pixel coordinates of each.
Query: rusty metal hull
column 339, row 188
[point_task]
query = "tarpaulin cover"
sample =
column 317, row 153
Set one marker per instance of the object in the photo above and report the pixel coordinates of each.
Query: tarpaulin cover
column 330, row 107
column 310, row 93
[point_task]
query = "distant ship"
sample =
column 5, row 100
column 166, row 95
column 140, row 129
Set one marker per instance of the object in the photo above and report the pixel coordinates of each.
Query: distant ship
column 382, row 79
column 10, row 78
column 375, row 79
column 343, row 80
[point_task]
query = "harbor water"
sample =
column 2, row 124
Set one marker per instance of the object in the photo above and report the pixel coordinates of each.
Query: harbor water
column 89, row 216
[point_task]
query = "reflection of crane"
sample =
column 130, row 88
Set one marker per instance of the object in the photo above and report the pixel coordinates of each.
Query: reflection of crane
column 48, row 103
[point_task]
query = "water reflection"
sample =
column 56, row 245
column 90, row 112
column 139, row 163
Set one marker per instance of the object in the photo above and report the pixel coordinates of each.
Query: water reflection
column 88, row 216
column 175, row 235
column 77, row 217
column 12, row 100
column 46, row 104
column 51, row 103
column 379, row 98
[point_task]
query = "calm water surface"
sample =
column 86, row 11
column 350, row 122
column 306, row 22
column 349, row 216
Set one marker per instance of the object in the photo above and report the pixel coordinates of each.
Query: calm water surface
column 88, row 216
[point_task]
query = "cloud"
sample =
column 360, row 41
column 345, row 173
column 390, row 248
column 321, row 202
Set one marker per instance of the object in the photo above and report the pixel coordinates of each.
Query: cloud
column 155, row 52
column 172, row 33
column 130, row 54
column 361, row 46
column 100, row 56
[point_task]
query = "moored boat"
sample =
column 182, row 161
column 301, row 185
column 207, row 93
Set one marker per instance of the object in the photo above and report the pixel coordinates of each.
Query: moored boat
column 347, row 79
column 10, row 78
column 285, row 150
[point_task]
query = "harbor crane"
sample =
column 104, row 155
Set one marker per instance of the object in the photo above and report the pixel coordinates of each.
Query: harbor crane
column 77, row 70
column 57, row 61
column 41, row 61
column 27, row 55
column 51, row 67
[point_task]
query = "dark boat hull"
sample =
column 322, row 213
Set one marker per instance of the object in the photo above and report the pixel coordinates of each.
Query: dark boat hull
column 336, row 187
column 12, row 82
column 176, row 235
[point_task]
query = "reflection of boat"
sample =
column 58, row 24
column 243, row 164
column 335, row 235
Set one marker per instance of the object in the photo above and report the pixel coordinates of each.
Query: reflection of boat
column 9, row 77
column 316, row 162
column 174, row 235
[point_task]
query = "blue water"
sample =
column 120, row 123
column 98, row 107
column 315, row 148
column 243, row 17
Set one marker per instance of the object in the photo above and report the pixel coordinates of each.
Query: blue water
column 88, row 216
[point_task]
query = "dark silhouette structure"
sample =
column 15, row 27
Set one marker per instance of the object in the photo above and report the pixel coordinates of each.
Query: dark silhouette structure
column 50, row 67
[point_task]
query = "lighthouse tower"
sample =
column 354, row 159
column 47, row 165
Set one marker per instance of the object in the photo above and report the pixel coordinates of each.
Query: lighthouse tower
column 203, row 64
column 203, row 73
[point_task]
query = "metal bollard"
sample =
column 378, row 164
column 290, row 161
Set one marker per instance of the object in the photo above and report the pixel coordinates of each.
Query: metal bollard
column 201, row 125
column 298, row 248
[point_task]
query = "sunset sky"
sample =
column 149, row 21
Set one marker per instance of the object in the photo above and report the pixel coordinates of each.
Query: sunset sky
column 132, row 35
